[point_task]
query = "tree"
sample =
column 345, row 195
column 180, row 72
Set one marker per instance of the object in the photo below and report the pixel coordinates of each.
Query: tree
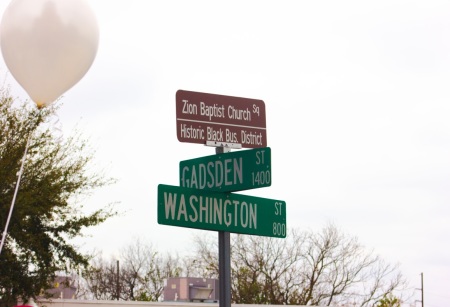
column 145, row 270
column 48, row 211
column 338, row 269
column 326, row 268
column 389, row 301
column 101, row 279
column 263, row 269
column 141, row 274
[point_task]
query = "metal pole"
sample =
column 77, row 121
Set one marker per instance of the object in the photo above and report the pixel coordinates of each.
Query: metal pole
column 224, row 269
column 224, row 260
column 19, row 176
column 421, row 277
column 118, row 281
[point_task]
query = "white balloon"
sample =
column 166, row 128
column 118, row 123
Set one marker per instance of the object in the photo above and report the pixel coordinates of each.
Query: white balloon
column 48, row 45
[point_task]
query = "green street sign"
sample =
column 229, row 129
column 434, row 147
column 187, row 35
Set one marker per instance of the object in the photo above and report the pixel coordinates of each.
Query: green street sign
column 228, row 172
column 230, row 212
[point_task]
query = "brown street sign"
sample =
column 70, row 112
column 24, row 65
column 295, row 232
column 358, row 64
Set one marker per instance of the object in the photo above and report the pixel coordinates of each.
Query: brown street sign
column 203, row 117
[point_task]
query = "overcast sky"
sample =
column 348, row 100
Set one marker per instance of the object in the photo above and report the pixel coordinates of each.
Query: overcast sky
column 357, row 101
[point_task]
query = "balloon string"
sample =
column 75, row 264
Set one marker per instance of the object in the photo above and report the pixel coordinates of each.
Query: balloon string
column 15, row 194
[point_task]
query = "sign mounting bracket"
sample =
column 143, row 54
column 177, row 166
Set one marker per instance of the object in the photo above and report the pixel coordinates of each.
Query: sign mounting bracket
column 223, row 144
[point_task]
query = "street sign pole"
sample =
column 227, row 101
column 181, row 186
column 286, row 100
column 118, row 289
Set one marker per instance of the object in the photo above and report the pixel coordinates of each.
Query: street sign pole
column 224, row 122
column 224, row 269
column 224, row 259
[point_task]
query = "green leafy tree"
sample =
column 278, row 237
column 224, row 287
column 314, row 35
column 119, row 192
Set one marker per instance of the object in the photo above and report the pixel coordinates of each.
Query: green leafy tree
column 48, row 210
column 389, row 301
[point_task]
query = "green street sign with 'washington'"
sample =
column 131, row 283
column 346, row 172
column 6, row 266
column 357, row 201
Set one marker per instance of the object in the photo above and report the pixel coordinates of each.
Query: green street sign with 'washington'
column 228, row 172
column 230, row 212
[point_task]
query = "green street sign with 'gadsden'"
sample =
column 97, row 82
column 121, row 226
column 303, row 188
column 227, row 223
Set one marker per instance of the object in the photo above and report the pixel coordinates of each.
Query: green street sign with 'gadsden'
column 228, row 172
column 230, row 212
